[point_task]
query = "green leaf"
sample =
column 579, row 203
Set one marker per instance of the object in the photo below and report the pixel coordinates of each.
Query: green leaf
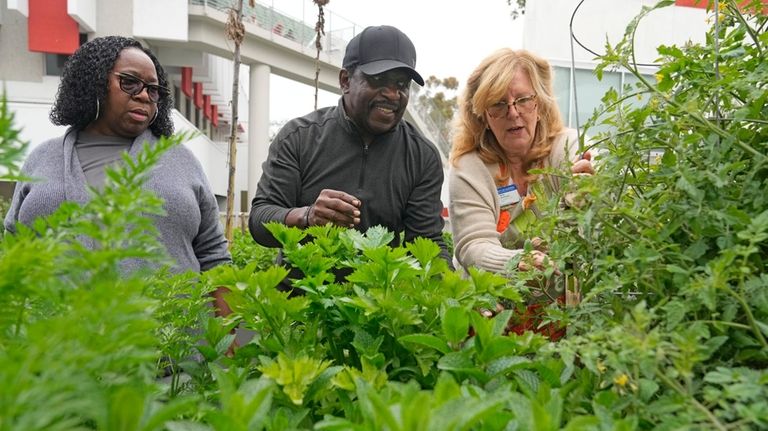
column 461, row 362
column 427, row 340
column 288, row 237
column 675, row 313
column 695, row 193
column 424, row 250
column 294, row 374
column 322, row 382
column 647, row 389
column 161, row 413
column 446, row 389
column 375, row 237
column 456, row 361
column 506, row 364
column 126, row 407
column 763, row 327
column 469, row 413
column 528, row 381
column 374, row 408
column 186, row 426
column 455, row 323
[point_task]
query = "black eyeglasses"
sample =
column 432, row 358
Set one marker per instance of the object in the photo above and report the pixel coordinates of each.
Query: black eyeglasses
column 133, row 86
column 523, row 105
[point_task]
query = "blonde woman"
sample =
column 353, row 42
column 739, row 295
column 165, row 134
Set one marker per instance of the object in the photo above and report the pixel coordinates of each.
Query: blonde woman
column 508, row 124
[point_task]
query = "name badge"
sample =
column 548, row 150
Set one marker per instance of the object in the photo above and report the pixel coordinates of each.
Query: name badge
column 508, row 195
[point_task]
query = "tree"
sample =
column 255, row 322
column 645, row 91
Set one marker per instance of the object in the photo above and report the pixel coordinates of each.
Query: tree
column 319, row 32
column 437, row 100
column 235, row 31
column 518, row 8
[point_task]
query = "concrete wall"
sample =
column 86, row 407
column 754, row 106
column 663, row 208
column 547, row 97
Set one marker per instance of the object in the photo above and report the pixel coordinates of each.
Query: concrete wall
column 17, row 64
column 113, row 18
column 167, row 19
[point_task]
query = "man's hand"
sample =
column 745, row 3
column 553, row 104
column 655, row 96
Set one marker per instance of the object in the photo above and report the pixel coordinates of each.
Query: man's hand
column 336, row 207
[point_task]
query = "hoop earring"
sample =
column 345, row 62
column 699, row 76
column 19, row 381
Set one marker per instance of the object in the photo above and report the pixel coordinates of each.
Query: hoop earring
column 97, row 110
column 155, row 117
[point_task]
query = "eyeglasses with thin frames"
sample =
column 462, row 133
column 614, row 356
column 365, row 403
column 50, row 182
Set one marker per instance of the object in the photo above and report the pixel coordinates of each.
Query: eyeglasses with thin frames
column 523, row 105
column 133, row 86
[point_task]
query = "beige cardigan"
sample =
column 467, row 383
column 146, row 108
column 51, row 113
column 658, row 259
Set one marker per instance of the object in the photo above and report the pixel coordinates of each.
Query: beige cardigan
column 474, row 207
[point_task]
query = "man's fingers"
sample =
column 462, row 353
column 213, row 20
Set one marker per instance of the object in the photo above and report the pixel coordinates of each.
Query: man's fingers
column 329, row 215
column 337, row 207
column 338, row 195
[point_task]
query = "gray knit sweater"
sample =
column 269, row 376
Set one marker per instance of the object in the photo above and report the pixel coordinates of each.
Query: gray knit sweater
column 190, row 230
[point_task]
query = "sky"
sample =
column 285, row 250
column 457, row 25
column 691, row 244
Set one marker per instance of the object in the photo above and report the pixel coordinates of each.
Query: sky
column 451, row 38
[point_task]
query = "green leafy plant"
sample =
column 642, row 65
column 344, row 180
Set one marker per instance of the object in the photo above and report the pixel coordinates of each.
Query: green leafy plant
column 671, row 247
column 78, row 339
column 245, row 250
column 667, row 243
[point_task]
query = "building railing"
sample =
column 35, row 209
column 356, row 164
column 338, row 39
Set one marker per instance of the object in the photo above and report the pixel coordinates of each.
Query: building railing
column 338, row 30
column 240, row 220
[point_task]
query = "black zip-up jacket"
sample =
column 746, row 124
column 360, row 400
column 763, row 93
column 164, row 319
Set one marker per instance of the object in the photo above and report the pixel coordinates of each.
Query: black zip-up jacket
column 397, row 178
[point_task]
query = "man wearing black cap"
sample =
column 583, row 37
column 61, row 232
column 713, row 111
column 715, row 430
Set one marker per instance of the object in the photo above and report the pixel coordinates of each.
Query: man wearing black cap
column 357, row 164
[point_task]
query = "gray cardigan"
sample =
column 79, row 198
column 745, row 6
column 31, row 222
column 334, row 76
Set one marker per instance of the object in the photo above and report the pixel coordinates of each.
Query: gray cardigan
column 190, row 230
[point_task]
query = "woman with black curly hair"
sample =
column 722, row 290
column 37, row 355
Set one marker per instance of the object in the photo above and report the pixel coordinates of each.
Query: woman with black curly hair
column 114, row 96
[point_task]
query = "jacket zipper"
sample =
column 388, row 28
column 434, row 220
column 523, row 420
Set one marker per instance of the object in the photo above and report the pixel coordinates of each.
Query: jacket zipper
column 362, row 169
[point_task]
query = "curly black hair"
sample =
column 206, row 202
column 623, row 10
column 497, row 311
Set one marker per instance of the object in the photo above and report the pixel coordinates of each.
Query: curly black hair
column 85, row 80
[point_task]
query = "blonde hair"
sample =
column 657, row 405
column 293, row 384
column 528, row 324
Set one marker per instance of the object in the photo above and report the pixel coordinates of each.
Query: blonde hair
column 488, row 84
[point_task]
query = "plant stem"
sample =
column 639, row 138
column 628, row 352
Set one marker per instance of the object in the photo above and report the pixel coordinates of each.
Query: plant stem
column 724, row 323
column 750, row 316
column 672, row 384
column 272, row 323
column 20, row 318
column 626, row 236
column 749, row 29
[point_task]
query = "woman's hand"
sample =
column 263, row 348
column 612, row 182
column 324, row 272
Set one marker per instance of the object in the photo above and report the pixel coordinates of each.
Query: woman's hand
column 539, row 260
column 583, row 166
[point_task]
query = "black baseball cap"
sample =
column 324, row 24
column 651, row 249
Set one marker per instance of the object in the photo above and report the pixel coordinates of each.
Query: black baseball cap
column 379, row 49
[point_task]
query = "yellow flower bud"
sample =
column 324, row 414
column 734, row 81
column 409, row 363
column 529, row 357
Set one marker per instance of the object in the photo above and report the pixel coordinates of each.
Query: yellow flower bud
column 621, row 380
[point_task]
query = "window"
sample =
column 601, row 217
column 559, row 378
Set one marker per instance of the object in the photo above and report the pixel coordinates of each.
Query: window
column 54, row 63
column 589, row 93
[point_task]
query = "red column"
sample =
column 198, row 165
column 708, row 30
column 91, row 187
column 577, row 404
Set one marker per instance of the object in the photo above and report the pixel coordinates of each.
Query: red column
column 51, row 29
column 186, row 81
column 198, row 91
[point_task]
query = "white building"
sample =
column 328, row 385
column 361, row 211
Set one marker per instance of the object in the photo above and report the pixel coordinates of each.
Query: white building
column 557, row 29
